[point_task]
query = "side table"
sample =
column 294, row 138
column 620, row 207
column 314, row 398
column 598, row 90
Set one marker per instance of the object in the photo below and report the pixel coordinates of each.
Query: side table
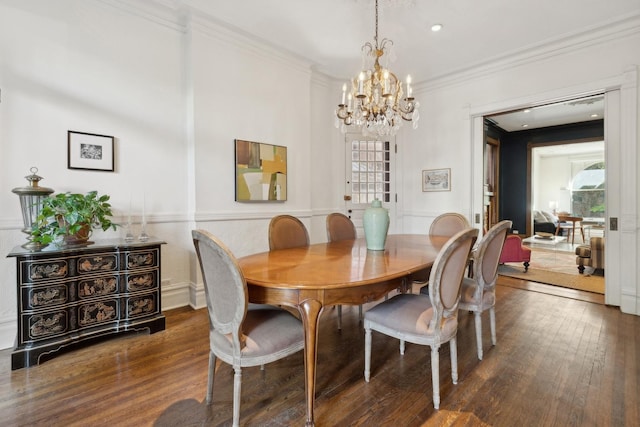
column 75, row 294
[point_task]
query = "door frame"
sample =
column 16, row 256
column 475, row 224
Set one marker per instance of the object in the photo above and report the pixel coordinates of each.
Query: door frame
column 621, row 157
column 391, row 206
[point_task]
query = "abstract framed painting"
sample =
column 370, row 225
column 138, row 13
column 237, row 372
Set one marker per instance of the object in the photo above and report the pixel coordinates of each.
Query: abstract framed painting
column 261, row 172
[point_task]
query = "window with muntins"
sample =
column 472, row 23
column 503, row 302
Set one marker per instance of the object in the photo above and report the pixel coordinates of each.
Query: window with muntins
column 370, row 173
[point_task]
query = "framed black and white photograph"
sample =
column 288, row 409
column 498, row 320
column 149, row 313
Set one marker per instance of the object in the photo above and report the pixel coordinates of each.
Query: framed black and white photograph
column 90, row 151
column 436, row 180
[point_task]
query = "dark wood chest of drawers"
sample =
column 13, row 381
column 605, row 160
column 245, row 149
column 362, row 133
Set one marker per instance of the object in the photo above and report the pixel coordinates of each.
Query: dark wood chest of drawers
column 72, row 295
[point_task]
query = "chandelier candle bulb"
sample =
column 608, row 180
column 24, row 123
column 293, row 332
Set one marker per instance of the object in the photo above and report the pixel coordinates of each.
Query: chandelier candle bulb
column 344, row 92
column 361, row 83
column 386, row 83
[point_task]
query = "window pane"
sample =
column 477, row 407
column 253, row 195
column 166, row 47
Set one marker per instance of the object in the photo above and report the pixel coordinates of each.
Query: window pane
column 370, row 171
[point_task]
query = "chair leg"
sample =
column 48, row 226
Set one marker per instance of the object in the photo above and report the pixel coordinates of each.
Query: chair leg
column 360, row 312
column 526, row 266
column 237, row 386
column 453, row 349
column 367, row 351
column 435, row 376
column 478, row 322
column 492, row 320
column 210, row 377
column 340, row 317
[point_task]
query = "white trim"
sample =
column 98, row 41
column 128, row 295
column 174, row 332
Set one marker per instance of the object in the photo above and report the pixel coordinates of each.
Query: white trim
column 8, row 328
column 197, row 296
column 174, row 295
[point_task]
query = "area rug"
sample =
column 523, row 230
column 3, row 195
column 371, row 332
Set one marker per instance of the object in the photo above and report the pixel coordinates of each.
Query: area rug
column 582, row 282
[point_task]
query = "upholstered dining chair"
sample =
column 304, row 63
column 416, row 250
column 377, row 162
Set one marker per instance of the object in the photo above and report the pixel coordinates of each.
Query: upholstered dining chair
column 446, row 224
column 478, row 292
column 340, row 227
column 238, row 335
column 286, row 231
column 426, row 319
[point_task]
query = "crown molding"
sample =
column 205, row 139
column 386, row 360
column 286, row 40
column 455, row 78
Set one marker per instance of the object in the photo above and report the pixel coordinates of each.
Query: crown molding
column 163, row 12
column 625, row 27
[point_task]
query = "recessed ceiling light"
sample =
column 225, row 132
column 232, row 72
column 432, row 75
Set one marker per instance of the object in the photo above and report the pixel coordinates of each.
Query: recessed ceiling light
column 436, row 27
column 594, row 115
column 525, row 126
column 526, row 110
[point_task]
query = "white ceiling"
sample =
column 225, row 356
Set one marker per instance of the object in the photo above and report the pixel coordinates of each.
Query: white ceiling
column 330, row 33
column 573, row 111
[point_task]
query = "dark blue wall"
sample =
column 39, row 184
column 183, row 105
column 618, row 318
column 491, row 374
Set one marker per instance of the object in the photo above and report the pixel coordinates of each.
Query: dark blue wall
column 513, row 162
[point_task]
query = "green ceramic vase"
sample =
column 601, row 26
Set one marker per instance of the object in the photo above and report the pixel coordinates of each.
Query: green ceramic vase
column 376, row 226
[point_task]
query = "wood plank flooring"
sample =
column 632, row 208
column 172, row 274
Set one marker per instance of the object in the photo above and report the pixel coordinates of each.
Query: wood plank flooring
column 561, row 360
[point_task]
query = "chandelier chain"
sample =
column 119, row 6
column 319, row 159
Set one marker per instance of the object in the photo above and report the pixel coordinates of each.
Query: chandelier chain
column 376, row 36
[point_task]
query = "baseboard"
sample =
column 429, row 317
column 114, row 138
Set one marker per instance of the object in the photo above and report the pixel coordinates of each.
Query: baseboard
column 8, row 329
column 175, row 295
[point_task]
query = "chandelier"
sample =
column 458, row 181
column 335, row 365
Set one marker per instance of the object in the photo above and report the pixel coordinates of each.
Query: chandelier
column 376, row 101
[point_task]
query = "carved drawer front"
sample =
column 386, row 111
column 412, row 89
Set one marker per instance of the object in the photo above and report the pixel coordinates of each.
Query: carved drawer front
column 37, row 271
column 38, row 297
column 142, row 281
column 141, row 259
column 142, row 305
column 45, row 325
column 98, row 312
column 97, row 263
column 98, row 286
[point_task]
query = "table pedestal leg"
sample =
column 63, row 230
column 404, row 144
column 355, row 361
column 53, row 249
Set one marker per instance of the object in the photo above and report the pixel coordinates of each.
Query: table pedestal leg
column 310, row 312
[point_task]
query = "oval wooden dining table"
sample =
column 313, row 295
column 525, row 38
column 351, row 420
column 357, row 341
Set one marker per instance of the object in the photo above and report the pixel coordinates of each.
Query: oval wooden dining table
column 325, row 274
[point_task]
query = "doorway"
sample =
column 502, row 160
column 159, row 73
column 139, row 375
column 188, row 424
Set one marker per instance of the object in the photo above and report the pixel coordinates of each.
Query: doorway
column 532, row 179
column 568, row 177
column 369, row 173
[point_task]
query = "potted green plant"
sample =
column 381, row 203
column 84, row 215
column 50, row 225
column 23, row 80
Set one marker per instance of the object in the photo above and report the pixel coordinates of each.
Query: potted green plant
column 69, row 218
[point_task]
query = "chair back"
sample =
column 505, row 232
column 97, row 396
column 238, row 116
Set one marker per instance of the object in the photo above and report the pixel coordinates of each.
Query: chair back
column 448, row 224
column 225, row 287
column 486, row 256
column 340, row 227
column 286, row 231
column 446, row 275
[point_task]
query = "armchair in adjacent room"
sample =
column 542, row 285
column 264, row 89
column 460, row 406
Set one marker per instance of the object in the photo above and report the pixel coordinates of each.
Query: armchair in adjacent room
column 514, row 251
column 591, row 255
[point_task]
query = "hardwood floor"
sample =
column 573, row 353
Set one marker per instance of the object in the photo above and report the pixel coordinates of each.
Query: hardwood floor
column 560, row 360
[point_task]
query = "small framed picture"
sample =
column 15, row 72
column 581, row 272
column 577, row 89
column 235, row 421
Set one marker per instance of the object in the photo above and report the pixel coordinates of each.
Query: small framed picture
column 436, row 180
column 89, row 151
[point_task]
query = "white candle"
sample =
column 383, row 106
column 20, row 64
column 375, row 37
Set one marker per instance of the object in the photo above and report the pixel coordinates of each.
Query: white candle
column 386, row 82
column 409, row 91
column 361, row 82
column 344, row 92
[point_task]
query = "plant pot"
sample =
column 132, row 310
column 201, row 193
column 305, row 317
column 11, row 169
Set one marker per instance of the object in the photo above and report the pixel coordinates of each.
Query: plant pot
column 79, row 238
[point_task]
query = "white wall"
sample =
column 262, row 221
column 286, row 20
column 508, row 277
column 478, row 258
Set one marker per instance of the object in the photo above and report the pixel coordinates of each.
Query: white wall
column 85, row 66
